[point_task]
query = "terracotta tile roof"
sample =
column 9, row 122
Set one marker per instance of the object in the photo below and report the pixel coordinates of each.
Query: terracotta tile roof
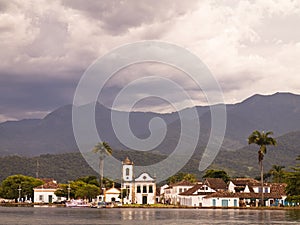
column 258, row 195
column 49, row 185
column 191, row 190
column 226, row 194
column 245, row 181
column 215, row 183
column 223, row 194
column 182, row 183
column 195, row 189
column 278, row 188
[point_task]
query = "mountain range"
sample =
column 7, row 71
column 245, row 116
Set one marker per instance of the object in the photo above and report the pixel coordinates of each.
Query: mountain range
column 53, row 134
column 279, row 113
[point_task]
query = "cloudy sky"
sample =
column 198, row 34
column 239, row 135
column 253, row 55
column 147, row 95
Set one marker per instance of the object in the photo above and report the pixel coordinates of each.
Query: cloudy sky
column 45, row 47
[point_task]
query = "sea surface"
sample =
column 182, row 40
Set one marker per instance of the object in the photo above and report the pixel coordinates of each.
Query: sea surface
column 89, row 216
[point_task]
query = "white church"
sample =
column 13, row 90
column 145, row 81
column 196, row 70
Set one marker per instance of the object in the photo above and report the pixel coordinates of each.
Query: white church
column 140, row 189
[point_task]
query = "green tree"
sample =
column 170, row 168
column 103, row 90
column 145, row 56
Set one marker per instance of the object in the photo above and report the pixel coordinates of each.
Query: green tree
column 14, row 185
column 102, row 149
column 182, row 177
column 81, row 188
column 277, row 172
column 87, row 191
column 217, row 174
column 261, row 139
column 293, row 183
column 89, row 180
column 64, row 190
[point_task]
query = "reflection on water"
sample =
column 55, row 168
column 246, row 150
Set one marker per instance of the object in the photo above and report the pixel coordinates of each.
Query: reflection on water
column 131, row 216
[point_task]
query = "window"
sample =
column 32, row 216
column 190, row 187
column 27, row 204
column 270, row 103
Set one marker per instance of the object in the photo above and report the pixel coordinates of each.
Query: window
column 180, row 190
column 138, row 189
column 41, row 197
column 144, row 189
column 150, row 189
column 127, row 171
column 266, row 190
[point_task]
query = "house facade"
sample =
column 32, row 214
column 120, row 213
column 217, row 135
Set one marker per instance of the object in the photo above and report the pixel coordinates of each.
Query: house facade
column 137, row 190
column 195, row 196
column 112, row 195
column 221, row 199
column 171, row 193
column 249, row 191
column 45, row 193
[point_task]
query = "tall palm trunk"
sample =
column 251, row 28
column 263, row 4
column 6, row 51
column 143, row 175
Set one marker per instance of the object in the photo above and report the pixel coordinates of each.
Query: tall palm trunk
column 262, row 183
column 101, row 166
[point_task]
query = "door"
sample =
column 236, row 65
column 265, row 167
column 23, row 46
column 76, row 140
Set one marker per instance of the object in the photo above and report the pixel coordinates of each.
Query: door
column 224, row 203
column 235, row 203
column 214, row 202
column 145, row 200
column 50, row 198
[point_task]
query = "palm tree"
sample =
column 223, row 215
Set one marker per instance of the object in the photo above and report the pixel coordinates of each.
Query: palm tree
column 278, row 173
column 103, row 149
column 262, row 139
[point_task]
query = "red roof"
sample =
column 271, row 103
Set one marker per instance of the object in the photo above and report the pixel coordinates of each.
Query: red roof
column 245, row 181
column 182, row 183
column 49, row 185
column 223, row 194
column 216, row 183
column 278, row 188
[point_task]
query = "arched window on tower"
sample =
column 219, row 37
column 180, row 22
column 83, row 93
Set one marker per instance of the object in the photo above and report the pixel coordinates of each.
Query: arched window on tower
column 127, row 172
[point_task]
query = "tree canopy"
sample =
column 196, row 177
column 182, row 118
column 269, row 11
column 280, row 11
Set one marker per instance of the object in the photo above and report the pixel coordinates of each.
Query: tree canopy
column 11, row 185
column 84, row 187
column 217, row 174
column 181, row 177
column 262, row 139
column 293, row 183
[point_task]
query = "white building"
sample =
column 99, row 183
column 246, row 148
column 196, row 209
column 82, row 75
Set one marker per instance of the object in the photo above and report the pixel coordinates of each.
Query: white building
column 138, row 190
column 171, row 193
column 193, row 197
column 249, row 191
column 45, row 193
column 221, row 199
column 113, row 195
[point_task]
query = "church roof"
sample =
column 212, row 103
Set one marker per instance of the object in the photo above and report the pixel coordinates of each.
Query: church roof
column 113, row 190
column 127, row 161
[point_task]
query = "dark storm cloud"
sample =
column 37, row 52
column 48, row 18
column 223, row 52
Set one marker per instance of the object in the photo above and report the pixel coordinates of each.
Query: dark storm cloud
column 20, row 96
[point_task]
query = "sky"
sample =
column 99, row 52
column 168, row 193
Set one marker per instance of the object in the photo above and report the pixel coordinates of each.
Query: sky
column 250, row 47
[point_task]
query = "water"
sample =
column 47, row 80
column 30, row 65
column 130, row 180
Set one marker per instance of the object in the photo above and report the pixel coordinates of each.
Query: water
column 87, row 216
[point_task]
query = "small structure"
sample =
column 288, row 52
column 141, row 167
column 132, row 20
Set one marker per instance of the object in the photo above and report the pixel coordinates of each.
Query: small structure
column 45, row 192
column 193, row 197
column 171, row 193
column 138, row 190
column 113, row 195
column 249, row 191
column 221, row 199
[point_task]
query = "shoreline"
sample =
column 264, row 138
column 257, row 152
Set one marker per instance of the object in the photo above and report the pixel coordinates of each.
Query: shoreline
column 150, row 207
